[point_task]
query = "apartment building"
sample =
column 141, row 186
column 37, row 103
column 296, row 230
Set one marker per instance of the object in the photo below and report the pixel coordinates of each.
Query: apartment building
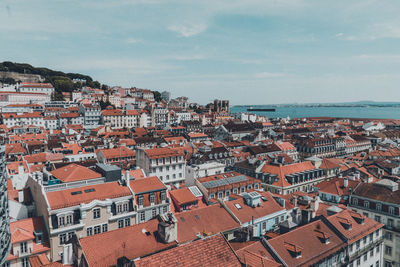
column 91, row 115
column 83, row 211
column 150, row 197
column 118, row 118
column 20, row 119
column 381, row 202
column 221, row 186
column 165, row 162
column 29, row 239
column 285, row 179
column 45, row 88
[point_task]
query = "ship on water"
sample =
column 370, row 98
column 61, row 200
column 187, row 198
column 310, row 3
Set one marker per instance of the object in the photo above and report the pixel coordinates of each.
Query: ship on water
column 261, row 109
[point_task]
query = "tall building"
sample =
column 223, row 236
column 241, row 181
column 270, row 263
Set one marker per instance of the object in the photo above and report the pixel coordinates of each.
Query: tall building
column 5, row 237
column 166, row 96
column 221, row 105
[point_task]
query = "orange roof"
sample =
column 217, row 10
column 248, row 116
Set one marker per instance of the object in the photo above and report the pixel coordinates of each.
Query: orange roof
column 132, row 242
column 12, row 167
column 74, row 172
column 197, row 135
column 246, row 212
column 163, row 152
column 209, row 251
column 86, row 194
column 358, row 230
column 118, row 152
column 23, row 115
column 44, row 157
column 282, row 171
column 211, row 219
column 22, row 230
column 183, row 196
column 147, row 184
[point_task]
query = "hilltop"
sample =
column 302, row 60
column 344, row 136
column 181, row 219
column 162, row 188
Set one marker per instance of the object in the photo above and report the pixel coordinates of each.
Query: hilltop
column 11, row 72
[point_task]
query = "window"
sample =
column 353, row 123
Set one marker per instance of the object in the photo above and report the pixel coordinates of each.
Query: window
column 162, row 195
column 180, row 175
column 371, row 253
column 358, row 245
column 220, row 195
column 358, row 261
column 125, row 207
column 70, row 234
column 63, row 238
column 391, row 210
column 97, row 229
column 153, row 213
column 378, row 207
column 152, row 198
column 365, row 256
column 25, row 262
column 377, row 264
column 140, row 200
column 388, row 250
column 105, row 227
column 351, row 248
column 165, row 209
column 390, row 222
column 377, row 249
column 24, row 247
column 264, row 225
column 276, row 220
column 142, row 217
column 89, row 231
column 389, row 236
column 365, row 240
column 69, row 219
column 119, row 208
column 355, row 201
column 377, row 218
column 120, row 223
column 127, row 221
column 96, row 213
column 371, row 237
column 61, row 221
column 366, row 204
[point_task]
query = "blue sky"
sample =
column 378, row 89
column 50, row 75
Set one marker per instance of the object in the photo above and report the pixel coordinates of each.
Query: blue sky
column 250, row 52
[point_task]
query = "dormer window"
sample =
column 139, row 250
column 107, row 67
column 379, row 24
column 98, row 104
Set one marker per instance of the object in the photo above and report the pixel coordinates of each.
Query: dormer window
column 378, row 207
column 125, row 206
column 294, row 250
column 366, row 204
column 152, row 198
column 162, row 195
column 140, row 200
column 24, row 247
column 355, row 201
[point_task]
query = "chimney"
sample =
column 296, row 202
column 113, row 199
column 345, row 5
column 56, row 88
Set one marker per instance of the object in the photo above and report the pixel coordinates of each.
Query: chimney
column 345, row 182
column 168, row 228
column 21, row 196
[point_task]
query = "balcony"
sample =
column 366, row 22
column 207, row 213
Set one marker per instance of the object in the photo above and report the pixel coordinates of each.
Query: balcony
column 365, row 249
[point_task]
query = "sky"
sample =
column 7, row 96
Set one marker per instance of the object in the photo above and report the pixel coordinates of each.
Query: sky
column 246, row 51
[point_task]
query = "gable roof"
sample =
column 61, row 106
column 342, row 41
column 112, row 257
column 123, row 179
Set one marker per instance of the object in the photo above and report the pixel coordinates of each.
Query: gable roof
column 208, row 220
column 74, row 172
column 132, row 242
column 209, row 251
column 85, row 194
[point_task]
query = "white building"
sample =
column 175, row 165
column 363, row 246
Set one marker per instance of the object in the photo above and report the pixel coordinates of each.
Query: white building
column 167, row 163
column 118, row 118
column 7, row 98
column 193, row 172
column 45, row 88
column 20, row 119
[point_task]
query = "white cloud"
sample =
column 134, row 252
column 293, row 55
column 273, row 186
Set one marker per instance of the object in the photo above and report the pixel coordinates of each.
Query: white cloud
column 133, row 40
column 339, row 34
column 189, row 29
column 262, row 75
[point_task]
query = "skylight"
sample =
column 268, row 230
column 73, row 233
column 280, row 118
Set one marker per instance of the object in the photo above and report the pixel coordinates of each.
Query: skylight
column 237, row 205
